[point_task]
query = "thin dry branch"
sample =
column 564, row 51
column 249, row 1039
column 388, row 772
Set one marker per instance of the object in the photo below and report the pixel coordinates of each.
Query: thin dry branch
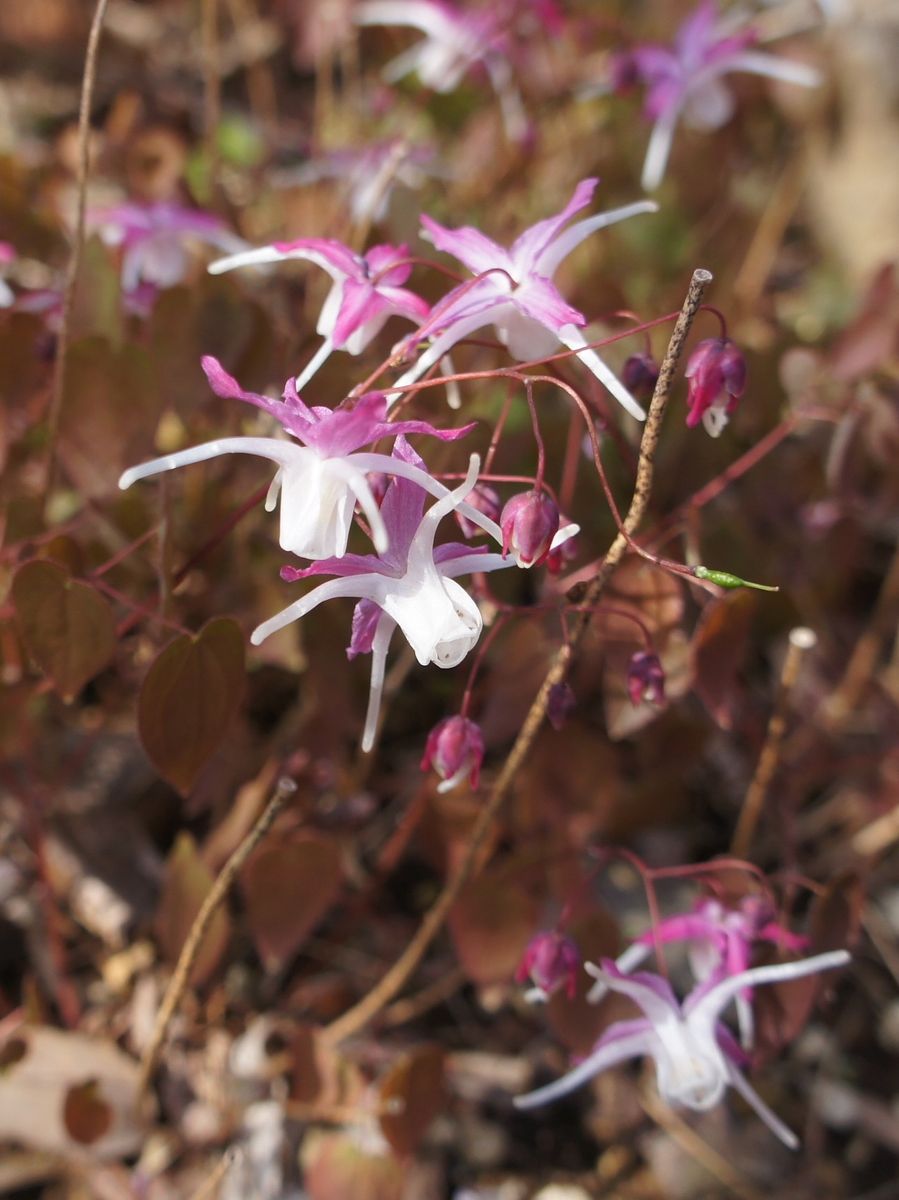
column 191, row 948
column 84, row 128
column 397, row 976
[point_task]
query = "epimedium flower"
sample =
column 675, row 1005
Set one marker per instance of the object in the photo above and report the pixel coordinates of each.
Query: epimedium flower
column 366, row 290
column 685, row 80
column 515, row 293
column 716, row 371
column 155, row 241
column 455, row 749
column 412, row 584
column 455, row 40
column 720, row 942
column 320, row 480
column 696, row 1057
column 551, row 961
column 367, row 174
column 7, row 255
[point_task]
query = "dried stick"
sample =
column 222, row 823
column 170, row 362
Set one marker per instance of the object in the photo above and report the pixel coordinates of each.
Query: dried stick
column 84, row 128
column 801, row 639
column 396, row 977
column 212, row 89
column 210, row 1186
column 210, row 906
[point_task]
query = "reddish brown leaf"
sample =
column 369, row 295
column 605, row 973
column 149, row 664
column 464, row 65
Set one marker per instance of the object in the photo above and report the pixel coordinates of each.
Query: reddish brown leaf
column 411, row 1097
column 719, row 650
column 187, row 883
column 288, row 887
column 68, row 628
column 86, row 1114
column 491, row 924
column 188, row 699
column 112, row 407
column 783, row 1009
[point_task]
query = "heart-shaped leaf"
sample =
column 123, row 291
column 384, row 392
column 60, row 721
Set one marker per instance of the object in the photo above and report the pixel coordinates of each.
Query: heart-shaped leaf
column 187, row 883
column 68, row 628
column 337, row 1166
column 288, row 887
column 411, row 1097
column 188, row 699
column 490, row 924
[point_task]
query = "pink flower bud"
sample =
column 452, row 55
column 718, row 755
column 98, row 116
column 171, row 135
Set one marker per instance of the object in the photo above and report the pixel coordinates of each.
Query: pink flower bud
column 529, row 523
column 551, row 961
column 645, row 678
column 560, row 704
column 455, row 748
column 717, row 373
column 639, row 375
column 487, row 501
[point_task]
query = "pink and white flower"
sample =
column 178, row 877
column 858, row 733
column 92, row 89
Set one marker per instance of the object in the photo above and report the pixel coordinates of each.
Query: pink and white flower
column 7, row 255
column 720, row 942
column 320, row 480
column 366, row 290
column 685, row 80
column 515, row 293
column 412, row 584
column 155, row 240
column 696, row 1057
column 455, row 40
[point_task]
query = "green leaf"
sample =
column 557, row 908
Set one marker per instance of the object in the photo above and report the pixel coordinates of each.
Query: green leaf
column 68, row 628
column 188, row 699
column 288, row 887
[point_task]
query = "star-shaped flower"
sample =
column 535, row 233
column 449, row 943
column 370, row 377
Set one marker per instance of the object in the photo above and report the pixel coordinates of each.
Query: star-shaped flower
column 321, row 480
column 365, row 291
column 696, row 1057
column 155, row 239
column 515, row 293
column 720, row 942
column 685, row 80
column 412, row 584
column 455, row 40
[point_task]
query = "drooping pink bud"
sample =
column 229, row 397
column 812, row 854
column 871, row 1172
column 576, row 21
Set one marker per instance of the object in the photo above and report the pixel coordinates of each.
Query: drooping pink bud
column 551, row 962
column 455, row 748
column 487, row 501
column 529, row 522
column 717, row 373
column 645, row 678
column 560, row 704
column 639, row 375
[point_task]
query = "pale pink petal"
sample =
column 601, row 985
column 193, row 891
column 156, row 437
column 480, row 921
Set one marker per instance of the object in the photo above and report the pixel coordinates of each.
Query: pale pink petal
column 527, row 249
column 471, row 247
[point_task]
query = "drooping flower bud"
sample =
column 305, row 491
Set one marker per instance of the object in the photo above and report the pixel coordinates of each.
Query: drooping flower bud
column 551, row 962
column 487, row 501
column 645, row 678
column 717, row 373
column 639, row 375
column 529, row 522
column 455, row 748
column 560, row 704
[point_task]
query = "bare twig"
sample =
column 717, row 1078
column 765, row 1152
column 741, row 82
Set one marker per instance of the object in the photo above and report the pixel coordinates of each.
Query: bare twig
column 191, row 948
column 212, row 89
column 396, row 977
column 84, row 129
column 801, row 639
